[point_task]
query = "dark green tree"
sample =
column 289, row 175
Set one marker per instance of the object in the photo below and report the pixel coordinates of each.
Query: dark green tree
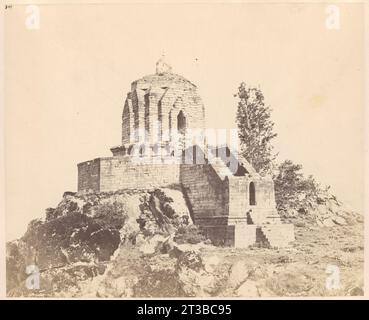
column 292, row 188
column 255, row 129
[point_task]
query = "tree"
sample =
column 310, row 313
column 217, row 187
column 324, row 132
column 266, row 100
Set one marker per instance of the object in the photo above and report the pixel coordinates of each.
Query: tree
column 255, row 129
column 292, row 189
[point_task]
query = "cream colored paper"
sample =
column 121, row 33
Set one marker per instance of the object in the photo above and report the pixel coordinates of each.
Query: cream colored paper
column 65, row 83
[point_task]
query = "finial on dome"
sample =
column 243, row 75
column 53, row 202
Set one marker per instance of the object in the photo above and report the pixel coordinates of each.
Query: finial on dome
column 162, row 66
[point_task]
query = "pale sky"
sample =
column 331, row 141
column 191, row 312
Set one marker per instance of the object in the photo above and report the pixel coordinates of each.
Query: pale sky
column 65, row 86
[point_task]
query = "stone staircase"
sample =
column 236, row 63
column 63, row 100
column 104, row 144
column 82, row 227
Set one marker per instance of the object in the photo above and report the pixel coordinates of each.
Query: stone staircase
column 261, row 238
column 259, row 225
column 247, row 165
column 270, row 231
column 277, row 235
column 221, row 168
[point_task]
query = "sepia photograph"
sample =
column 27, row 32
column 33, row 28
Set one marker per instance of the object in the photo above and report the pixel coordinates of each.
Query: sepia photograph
column 184, row 150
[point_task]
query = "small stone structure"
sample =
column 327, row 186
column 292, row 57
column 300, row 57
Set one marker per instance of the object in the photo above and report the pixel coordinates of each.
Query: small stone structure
column 233, row 207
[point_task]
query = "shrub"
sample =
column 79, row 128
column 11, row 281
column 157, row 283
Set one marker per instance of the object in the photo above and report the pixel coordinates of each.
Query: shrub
column 292, row 189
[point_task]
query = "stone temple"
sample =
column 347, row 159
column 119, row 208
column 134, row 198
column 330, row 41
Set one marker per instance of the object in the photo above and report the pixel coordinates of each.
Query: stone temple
column 164, row 144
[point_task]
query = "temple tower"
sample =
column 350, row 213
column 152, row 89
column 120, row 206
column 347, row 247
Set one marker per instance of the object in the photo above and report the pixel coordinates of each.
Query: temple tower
column 160, row 109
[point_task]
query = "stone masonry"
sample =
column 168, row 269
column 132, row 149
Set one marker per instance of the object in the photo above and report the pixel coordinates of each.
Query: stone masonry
column 159, row 148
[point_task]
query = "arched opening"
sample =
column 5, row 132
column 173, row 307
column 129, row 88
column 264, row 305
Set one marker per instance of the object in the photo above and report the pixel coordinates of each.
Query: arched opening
column 147, row 114
column 129, row 151
column 181, row 122
column 155, row 149
column 126, row 124
column 160, row 122
column 181, row 129
column 252, row 198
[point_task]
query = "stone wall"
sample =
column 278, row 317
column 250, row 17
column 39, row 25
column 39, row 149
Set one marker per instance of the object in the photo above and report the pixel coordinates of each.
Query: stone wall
column 219, row 206
column 206, row 192
column 244, row 235
column 212, row 198
column 89, row 175
column 279, row 235
column 238, row 196
column 220, row 235
column 239, row 236
column 265, row 193
column 115, row 173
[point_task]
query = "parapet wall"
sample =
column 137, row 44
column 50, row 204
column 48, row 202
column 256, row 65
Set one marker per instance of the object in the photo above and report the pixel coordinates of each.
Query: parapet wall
column 206, row 192
column 211, row 197
column 115, row 173
column 220, row 206
column 89, row 175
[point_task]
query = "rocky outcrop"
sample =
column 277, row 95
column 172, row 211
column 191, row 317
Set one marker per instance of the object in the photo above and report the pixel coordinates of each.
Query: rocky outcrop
column 322, row 209
column 137, row 243
column 76, row 240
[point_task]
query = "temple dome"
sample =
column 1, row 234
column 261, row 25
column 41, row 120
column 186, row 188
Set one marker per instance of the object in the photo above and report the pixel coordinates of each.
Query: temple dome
column 163, row 77
column 163, row 80
column 163, row 100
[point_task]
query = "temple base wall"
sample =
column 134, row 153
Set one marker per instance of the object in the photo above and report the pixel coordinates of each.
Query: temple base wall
column 116, row 173
column 218, row 205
